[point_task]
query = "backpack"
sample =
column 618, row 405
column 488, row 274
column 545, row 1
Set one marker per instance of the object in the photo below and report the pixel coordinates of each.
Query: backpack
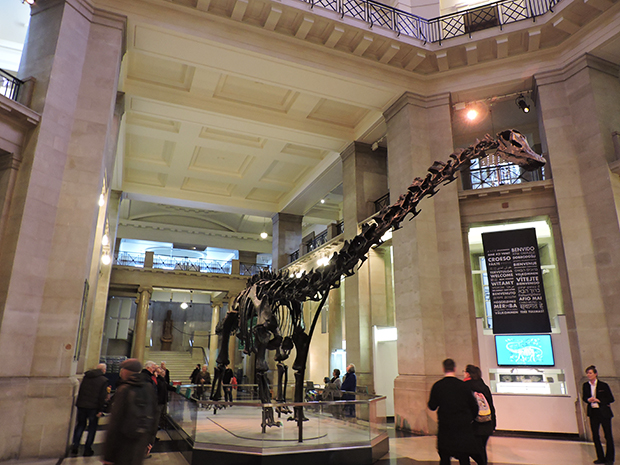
column 484, row 411
column 140, row 413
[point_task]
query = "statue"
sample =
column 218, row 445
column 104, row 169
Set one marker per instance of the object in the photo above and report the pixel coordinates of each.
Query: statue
column 166, row 332
column 267, row 314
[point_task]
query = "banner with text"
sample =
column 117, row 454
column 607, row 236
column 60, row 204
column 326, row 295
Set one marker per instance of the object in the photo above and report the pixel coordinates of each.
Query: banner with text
column 515, row 282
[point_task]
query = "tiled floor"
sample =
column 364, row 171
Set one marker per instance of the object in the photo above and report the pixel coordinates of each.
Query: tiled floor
column 415, row 450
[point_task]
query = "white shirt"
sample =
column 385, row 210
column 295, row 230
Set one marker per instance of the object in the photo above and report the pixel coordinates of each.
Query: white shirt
column 593, row 392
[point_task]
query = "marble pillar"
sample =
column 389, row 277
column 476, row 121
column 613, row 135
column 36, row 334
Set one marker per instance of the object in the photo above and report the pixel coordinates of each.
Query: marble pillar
column 286, row 238
column 335, row 322
column 578, row 107
column 96, row 322
column 432, row 314
column 142, row 317
column 73, row 51
column 214, row 340
column 364, row 181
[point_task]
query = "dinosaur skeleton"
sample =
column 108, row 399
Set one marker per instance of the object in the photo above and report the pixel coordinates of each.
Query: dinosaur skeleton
column 267, row 314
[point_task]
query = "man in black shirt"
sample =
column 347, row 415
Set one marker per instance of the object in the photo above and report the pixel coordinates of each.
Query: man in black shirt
column 457, row 409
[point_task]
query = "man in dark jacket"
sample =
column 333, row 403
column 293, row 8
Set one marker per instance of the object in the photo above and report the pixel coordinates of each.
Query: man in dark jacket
column 90, row 405
column 457, row 409
column 598, row 396
column 133, row 418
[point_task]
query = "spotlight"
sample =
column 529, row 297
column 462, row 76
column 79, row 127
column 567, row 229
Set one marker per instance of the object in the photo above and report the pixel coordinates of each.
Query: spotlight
column 472, row 114
column 522, row 104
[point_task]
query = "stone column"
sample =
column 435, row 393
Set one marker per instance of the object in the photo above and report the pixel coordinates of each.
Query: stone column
column 432, row 314
column 97, row 319
column 364, row 181
column 214, row 339
column 335, row 323
column 73, row 51
column 578, row 108
column 286, row 238
column 142, row 317
column 9, row 165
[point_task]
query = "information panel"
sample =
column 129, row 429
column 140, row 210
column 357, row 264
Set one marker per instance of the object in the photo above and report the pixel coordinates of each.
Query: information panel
column 515, row 282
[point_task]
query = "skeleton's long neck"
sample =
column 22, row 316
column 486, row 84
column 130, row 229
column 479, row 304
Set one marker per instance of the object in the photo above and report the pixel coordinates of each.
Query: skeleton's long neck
column 314, row 284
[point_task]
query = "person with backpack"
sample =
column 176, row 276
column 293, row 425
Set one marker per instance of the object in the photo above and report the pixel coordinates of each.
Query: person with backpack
column 133, row 420
column 485, row 422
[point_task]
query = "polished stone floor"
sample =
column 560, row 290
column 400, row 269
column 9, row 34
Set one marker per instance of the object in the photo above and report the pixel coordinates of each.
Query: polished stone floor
column 413, row 450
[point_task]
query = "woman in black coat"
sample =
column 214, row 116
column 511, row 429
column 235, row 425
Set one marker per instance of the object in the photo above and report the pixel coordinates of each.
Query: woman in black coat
column 482, row 430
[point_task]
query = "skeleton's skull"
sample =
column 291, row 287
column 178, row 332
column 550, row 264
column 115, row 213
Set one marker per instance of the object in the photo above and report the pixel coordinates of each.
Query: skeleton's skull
column 513, row 147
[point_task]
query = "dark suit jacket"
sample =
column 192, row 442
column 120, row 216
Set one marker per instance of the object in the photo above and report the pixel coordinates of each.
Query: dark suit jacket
column 603, row 393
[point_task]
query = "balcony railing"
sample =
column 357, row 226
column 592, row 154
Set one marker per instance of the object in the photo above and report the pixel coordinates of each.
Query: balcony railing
column 382, row 202
column 443, row 27
column 316, row 242
column 9, row 85
column 249, row 269
column 493, row 172
column 164, row 262
column 294, row 256
column 340, row 228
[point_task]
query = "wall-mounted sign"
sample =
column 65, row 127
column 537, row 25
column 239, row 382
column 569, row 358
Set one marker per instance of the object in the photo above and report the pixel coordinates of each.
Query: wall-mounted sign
column 515, row 282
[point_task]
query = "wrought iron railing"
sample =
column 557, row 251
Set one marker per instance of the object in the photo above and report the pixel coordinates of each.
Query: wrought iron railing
column 129, row 259
column 316, row 242
column 443, row 27
column 381, row 202
column 9, row 85
column 294, row 256
column 249, row 269
column 340, row 228
column 493, row 172
column 164, row 262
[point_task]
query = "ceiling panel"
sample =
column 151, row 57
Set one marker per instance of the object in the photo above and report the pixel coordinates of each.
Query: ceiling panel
column 284, row 173
column 160, row 71
column 215, row 161
column 145, row 177
column 207, row 187
column 149, row 149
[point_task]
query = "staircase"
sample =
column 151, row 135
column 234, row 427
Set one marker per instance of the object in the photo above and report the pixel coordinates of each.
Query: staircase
column 180, row 364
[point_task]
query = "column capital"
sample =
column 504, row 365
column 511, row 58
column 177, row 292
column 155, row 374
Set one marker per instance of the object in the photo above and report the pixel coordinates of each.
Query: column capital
column 422, row 101
column 583, row 62
column 9, row 161
column 143, row 289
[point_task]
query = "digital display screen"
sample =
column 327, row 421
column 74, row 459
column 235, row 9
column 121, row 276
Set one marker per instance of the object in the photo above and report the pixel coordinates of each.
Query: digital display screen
column 524, row 350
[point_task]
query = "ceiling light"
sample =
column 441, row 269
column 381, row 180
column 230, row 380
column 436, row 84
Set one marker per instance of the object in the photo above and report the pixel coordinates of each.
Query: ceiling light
column 264, row 235
column 184, row 305
column 101, row 200
column 472, row 114
column 322, row 200
column 105, row 259
column 105, row 240
column 522, row 104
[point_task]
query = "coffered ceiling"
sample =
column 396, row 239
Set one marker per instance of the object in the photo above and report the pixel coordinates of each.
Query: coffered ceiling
column 232, row 110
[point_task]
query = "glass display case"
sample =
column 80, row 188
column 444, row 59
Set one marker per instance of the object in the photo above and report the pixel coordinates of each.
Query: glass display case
column 529, row 381
column 219, row 430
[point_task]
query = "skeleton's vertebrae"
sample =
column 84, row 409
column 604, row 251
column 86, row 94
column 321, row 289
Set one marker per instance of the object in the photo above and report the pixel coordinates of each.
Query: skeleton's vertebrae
column 268, row 313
